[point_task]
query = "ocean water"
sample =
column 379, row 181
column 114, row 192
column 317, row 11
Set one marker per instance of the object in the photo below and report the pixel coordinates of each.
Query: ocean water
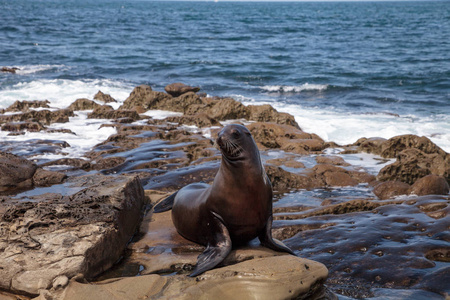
column 345, row 70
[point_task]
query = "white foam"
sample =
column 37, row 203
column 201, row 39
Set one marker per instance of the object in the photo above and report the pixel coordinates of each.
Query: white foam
column 161, row 114
column 32, row 69
column 63, row 92
column 346, row 128
column 88, row 134
column 294, row 88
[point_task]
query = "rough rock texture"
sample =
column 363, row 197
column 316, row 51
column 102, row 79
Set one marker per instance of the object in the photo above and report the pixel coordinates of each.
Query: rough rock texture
column 266, row 113
column 287, row 138
column 15, row 172
column 82, row 231
column 21, row 126
column 190, row 103
column 178, row 89
column 25, row 106
column 106, row 98
column 199, row 120
column 107, row 112
column 83, row 104
column 416, row 157
column 45, row 117
column 143, row 96
column 412, row 164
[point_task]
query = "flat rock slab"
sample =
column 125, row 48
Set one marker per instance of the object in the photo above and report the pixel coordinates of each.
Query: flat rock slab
column 82, row 227
column 271, row 278
column 250, row 272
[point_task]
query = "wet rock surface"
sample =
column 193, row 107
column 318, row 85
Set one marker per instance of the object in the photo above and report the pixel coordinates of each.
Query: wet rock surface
column 81, row 230
column 380, row 231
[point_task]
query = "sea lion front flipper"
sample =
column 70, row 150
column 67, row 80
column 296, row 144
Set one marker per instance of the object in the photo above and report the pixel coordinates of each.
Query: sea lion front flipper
column 268, row 241
column 217, row 249
column 165, row 204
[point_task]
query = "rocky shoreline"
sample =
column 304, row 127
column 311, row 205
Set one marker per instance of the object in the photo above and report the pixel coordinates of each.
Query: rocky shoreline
column 65, row 222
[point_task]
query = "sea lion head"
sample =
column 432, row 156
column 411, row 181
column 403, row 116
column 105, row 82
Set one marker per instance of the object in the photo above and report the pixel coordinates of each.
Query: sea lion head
column 236, row 142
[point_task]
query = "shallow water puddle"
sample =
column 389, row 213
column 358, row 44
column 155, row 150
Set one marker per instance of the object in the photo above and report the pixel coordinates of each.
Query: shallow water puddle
column 369, row 245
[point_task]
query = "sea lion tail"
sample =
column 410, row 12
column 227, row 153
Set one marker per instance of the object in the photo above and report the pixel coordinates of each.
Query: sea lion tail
column 165, row 204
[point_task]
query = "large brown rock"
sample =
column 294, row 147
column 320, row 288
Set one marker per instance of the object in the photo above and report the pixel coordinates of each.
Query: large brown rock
column 285, row 137
column 162, row 250
column 416, row 157
column 47, row 239
column 390, row 189
column 266, row 113
column 393, row 146
column 412, row 164
column 178, row 89
column 15, row 172
column 430, row 185
column 44, row 177
column 284, row 277
column 144, row 97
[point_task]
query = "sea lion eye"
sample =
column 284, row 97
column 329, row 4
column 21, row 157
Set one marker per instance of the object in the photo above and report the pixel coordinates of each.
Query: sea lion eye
column 235, row 133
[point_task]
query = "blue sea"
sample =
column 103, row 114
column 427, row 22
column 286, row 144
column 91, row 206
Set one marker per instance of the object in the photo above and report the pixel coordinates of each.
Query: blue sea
column 345, row 70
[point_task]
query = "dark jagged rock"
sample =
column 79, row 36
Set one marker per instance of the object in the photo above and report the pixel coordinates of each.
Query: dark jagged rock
column 9, row 70
column 83, row 104
column 106, row 98
column 178, row 89
column 25, row 106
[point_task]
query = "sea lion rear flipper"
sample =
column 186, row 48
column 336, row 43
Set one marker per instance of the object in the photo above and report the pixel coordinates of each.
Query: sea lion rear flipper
column 215, row 252
column 165, row 204
column 268, row 241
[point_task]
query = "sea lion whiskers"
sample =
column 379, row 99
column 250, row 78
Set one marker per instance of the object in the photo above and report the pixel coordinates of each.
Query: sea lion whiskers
column 232, row 148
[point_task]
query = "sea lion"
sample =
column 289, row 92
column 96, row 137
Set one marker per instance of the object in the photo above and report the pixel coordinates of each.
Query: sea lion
column 235, row 209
